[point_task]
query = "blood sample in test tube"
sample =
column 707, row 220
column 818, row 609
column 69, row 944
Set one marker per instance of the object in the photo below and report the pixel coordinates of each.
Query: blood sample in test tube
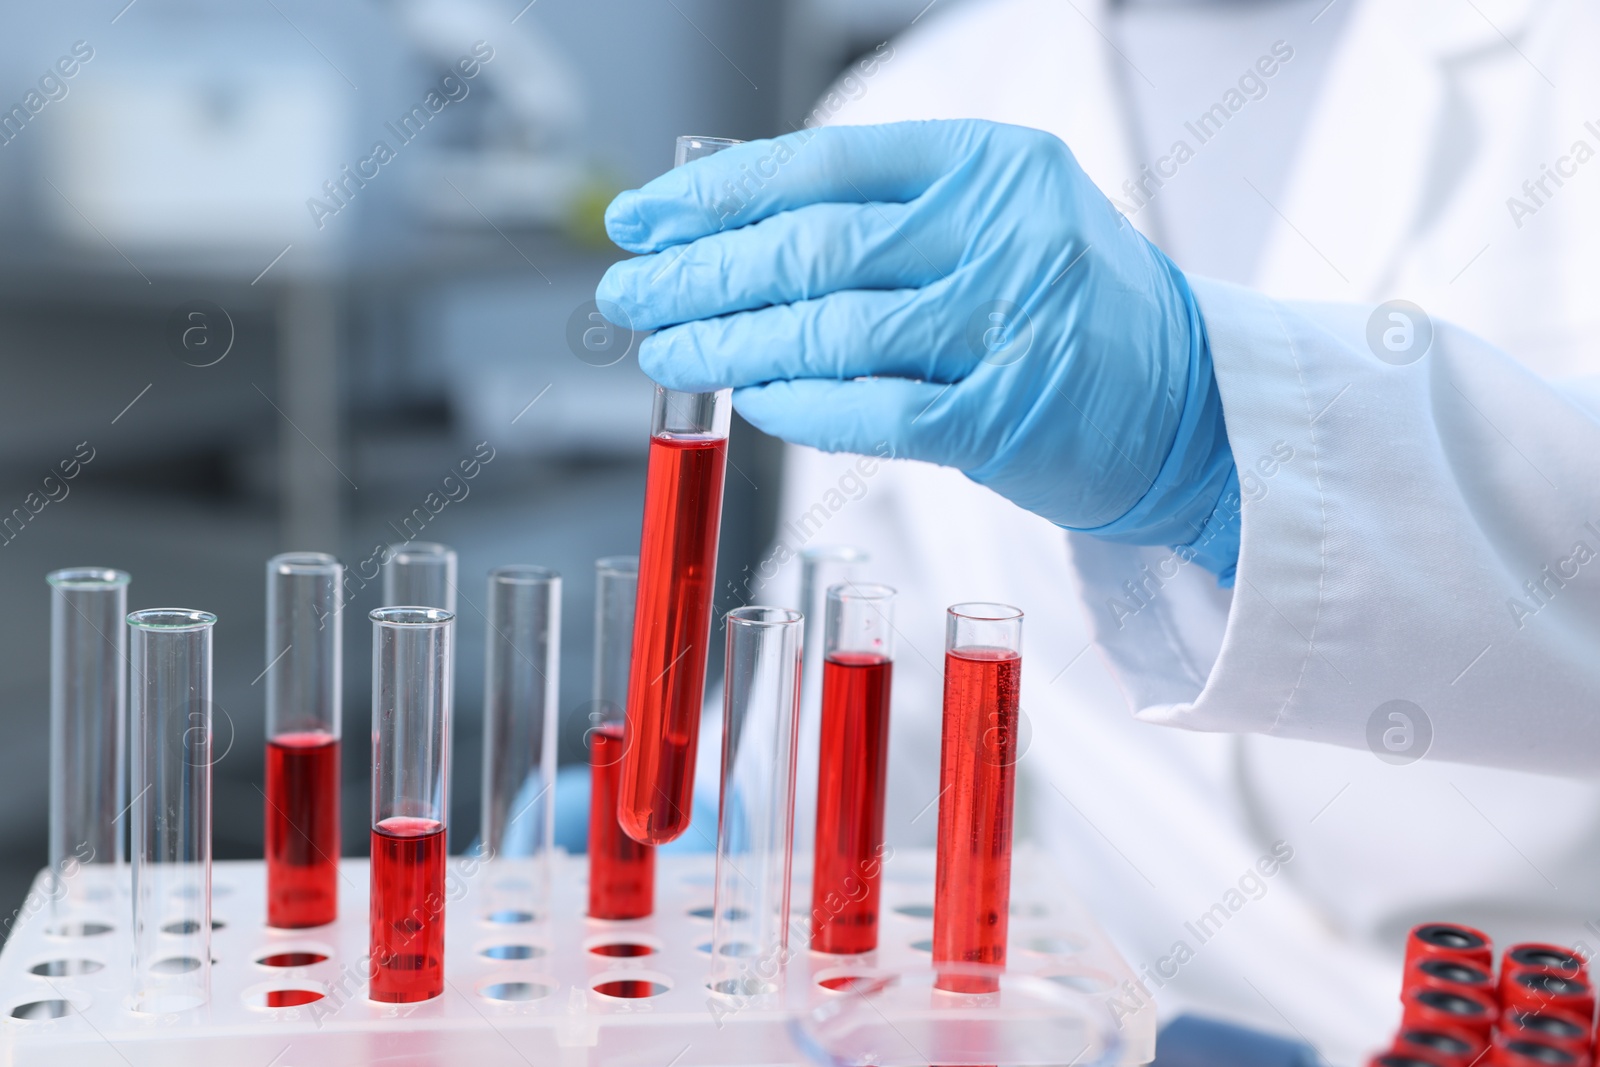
column 857, row 670
column 977, row 790
column 304, row 683
column 622, row 872
column 687, row 464
column 412, row 678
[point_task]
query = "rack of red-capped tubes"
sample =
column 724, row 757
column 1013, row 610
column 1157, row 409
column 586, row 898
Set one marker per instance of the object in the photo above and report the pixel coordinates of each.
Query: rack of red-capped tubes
column 1537, row 1011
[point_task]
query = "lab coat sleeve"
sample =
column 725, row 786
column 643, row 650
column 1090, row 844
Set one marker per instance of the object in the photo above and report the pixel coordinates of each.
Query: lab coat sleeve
column 1419, row 565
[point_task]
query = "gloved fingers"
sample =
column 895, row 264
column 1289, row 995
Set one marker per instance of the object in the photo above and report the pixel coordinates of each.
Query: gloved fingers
column 753, row 181
column 797, row 255
column 853, row 334
column 873, row 416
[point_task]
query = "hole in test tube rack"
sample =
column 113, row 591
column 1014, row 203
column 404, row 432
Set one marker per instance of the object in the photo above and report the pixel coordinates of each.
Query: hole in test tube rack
column 1084, row 981
column 925, row 945
column 738, row 950
column 292, row 958
column 860, row 982
column 742, row 987
column 513, row 885
column 189, row 926
column 509, row 917
column 175, row 965
column 514, row 992
column 37, row 1010
column 915, row 911
column 623, row 948
column 1053, row 946
column 511, row 952
column 632, row 987
column 65, row 968
column 1030, row 910
column 707, row 913
column 79, row 929
column 268, row 997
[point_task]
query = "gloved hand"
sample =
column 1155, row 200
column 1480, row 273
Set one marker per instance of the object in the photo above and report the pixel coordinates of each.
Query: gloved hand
column 960, row 290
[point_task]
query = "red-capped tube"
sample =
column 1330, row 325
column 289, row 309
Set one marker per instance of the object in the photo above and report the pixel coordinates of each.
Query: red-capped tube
column 1540, row 991
column 1449, row 939
column 1541, row 956
column 1449, row 1048
column 1561, row 1028
column 1514, row 1050
column 1444, row 972
column 1462, row 1008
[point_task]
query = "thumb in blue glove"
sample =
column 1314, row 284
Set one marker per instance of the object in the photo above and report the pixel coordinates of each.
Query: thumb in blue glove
column 960, row 290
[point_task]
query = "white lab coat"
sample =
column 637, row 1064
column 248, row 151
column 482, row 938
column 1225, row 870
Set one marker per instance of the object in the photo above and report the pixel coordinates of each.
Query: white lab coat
column 1404, row 510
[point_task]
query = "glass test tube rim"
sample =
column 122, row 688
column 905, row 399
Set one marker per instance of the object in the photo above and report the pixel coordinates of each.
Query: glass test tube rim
column 524, row 574
column 862, row 591
column 763, row 615
column 693, row 140
column 421, row 549
column 985, row 611
column 87, row 578
column 411, row 615
column 621, row 566
column 171, row 620
column 304, row 562
column 835, row 553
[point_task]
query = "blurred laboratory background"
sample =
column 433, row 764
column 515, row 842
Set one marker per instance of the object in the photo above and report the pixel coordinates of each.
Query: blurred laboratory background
column 271, row 270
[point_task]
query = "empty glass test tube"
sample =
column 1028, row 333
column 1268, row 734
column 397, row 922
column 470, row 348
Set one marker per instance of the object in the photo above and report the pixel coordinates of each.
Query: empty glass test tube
column 88, row 731
column 412, row 680
column 677, row 575
column 522, row 659
column 821, row 567
column 170, row 737
column 420, row 574
column 755, row 819
column 857, row 671
column 304, row 681
column 622, row 872
column 977, row 789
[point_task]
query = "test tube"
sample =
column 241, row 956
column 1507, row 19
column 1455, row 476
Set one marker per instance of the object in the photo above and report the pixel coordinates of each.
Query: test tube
column 304, row 679
column 170, row 736
column 622, row 872
column 977, row 787
column 420, row 574
column 412, row 679
column 672, row 622
column 755, row 819
column 522, row 655
column 821, row 567
column 857, row 669
column 88, row 694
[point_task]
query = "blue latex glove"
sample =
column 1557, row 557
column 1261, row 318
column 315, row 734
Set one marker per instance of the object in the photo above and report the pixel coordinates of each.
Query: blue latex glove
column 959, row 290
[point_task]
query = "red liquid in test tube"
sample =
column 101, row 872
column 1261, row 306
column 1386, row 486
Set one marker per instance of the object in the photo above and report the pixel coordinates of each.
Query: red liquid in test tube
column 302, row 840
column 413, row 674
column 857, row 670
column 622, row 872
column 672, row 619
column 407, row 910
column 977, row 780
column 304, row 683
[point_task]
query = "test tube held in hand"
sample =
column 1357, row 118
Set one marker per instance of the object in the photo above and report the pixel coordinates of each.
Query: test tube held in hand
column 521, row 683
column 88, row 702
column 977, row 789
column 672, row 620
column 755, row 820
column 412, row 679
column 420, row 574
column 304, row 681
column 170, row 734
column 857, row 670
column 622, row 872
